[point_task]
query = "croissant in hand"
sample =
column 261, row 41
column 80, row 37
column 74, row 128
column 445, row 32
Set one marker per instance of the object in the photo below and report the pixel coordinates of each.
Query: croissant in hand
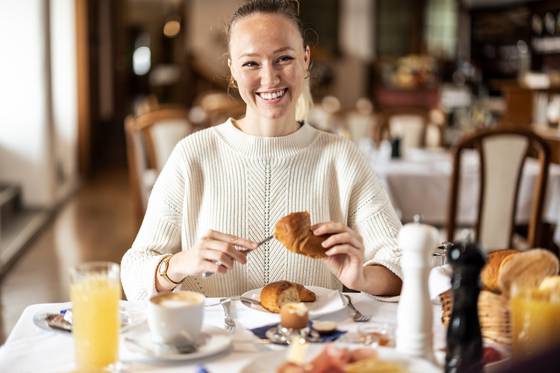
column 294, row 232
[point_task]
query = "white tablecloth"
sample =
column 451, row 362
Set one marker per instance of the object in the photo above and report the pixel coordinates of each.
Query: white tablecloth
column 419, row 183
column 31, row 349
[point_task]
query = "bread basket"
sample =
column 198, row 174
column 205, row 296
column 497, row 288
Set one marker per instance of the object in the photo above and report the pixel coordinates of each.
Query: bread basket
column 493, row 314
column 503, row 267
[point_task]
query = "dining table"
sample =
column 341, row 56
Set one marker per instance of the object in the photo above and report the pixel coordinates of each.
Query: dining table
column 30, row 348
column 418, row 183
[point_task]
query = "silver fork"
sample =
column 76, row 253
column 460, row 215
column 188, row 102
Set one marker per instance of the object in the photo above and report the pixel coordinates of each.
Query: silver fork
column 357, row 316
column 229, row 323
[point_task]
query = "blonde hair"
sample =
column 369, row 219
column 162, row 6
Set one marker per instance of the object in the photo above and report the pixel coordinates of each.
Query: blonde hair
column 304, row 102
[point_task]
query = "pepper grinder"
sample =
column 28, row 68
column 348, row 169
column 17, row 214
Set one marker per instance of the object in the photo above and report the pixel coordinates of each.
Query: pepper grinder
column 415, row 313
column 464, row 340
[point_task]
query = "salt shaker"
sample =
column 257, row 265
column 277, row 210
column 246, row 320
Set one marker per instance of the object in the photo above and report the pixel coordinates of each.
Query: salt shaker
column 464, row 340
column 415, row 314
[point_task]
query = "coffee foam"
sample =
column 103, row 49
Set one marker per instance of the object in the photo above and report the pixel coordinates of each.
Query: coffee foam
column 175, row 302
column 179, row 299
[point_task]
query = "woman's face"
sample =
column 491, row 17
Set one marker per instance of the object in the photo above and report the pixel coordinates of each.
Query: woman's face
column 269, row 63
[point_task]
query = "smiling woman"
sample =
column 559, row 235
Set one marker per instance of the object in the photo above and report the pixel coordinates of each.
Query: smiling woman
column 224, row 189
column 269, row 62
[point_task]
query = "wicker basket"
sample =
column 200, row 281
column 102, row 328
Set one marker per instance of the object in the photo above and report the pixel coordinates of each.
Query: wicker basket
column 493, row 314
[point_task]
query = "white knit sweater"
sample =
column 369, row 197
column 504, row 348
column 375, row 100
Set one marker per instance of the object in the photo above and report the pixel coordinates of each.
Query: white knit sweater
column 224, row 179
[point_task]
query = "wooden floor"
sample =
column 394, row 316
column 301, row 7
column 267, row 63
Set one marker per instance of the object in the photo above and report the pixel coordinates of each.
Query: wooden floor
column 96, row 224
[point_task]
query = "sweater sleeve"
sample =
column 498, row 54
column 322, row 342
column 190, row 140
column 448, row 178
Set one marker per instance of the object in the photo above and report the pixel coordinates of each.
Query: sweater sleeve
column 372, row 215
column 159, row 233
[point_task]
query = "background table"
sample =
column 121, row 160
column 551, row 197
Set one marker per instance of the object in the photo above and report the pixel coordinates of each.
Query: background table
column 31, row 349
column 419, row 183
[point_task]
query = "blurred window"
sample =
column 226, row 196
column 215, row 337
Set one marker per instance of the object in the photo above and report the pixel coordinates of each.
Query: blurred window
column 394, row 28
column 440, row 29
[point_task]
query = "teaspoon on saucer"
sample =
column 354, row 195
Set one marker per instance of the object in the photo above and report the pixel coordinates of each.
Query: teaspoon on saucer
column 164, row 348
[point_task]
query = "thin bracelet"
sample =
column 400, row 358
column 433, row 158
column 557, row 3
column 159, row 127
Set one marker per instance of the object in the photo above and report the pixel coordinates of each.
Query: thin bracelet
column 164, row 266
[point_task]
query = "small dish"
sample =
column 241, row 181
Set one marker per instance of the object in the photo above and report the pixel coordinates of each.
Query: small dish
column 212, row 340
column 377, row 334
column 325, row 327
column 283, row 336
column 372, row 334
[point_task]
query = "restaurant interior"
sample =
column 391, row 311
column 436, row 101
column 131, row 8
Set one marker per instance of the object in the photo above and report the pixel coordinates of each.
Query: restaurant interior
column 95, row 94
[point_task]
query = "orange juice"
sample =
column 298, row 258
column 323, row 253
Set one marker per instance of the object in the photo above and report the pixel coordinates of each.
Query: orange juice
column 535, row 317
column 95, row 321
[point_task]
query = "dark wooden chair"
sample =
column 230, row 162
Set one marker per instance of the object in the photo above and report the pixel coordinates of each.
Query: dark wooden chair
column 502, row 154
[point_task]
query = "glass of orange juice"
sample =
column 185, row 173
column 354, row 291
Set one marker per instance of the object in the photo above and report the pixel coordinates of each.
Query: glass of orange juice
column 95, row 292
column 535, row 317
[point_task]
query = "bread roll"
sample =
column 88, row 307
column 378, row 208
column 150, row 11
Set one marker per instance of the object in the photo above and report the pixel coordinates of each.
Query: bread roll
column 489, row 274
column 528, row 268
column 305, row 295
column 276, row 294
column 294, row 232
column 551, row 284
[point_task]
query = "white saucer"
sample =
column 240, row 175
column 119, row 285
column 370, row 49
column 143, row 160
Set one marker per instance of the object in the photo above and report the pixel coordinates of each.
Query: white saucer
column 328, row 301
column 213, row 340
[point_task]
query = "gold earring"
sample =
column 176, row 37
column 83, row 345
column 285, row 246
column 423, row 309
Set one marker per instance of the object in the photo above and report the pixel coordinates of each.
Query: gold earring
column 233, row 83
column 308, row 74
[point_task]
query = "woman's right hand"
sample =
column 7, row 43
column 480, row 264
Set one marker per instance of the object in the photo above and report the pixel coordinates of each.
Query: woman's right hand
column 215, row 252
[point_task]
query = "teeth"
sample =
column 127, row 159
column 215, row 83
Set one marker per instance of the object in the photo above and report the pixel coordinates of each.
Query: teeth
column 272, row 95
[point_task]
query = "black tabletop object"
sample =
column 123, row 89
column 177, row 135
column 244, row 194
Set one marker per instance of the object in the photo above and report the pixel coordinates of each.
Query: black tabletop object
column 464, row 340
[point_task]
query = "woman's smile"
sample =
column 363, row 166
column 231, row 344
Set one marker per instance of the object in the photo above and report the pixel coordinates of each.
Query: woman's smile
column 272, row 96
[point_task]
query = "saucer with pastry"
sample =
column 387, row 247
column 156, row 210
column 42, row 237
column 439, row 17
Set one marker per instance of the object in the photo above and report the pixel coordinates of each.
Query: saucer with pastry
column 270, row 299
column 294, row 232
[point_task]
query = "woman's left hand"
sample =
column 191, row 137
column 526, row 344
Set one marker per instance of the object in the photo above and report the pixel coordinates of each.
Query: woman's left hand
column 345, row 253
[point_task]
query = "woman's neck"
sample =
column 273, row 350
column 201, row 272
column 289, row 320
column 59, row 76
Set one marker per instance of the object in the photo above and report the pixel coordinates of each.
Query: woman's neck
column 267, row 127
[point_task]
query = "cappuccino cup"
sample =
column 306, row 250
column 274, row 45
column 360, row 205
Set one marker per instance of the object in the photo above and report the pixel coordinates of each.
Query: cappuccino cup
column 176, row 318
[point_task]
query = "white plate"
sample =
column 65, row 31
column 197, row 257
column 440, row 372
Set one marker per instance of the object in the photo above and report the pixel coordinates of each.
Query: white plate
column 328, row 301
column 139, row 340
column 127, row 321
column 270, row 361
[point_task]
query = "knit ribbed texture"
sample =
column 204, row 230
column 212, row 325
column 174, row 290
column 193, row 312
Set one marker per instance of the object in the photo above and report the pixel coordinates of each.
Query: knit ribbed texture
column 226, row 180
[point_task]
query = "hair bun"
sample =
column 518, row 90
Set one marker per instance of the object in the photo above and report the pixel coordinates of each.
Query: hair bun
column 294, row 4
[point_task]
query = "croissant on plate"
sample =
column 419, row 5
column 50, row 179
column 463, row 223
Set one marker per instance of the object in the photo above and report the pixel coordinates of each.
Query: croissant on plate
column 294, row 232
column 274, row 295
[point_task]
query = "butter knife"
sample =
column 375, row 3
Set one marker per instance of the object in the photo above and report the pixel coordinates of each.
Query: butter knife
column 249, row 301
column 208, row 274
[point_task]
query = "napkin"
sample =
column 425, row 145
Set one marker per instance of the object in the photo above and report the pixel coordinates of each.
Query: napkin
column 439, row 281
column 331, row 337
